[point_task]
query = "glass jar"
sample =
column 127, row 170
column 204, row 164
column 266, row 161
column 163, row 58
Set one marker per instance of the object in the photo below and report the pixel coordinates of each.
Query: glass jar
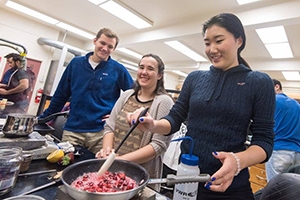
column 10, row 162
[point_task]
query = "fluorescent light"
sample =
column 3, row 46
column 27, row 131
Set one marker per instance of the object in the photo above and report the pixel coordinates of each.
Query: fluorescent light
column 280, row 50
column 276, row 42
column 126, row 14
column 180, row 73
column 130, row 67
column 75, row 30
column 272, row 34
column 291, row 75
column 97, row 2
column 128, row 62
column 48, row 19
column 130, row 52
column 186, row 51
column 241, row 2
column 31, row 12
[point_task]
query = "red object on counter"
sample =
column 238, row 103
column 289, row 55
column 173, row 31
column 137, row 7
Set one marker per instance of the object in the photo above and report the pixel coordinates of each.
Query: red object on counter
column 38, row 95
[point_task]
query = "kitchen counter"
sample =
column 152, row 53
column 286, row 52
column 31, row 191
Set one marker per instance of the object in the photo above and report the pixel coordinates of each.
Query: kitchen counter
column 27, row 183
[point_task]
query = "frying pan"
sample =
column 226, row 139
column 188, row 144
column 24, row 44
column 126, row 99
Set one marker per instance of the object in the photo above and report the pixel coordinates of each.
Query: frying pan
column 21, row 125
column 132, row 170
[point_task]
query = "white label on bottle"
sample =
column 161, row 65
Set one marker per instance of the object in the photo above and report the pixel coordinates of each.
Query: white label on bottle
column 187, row 191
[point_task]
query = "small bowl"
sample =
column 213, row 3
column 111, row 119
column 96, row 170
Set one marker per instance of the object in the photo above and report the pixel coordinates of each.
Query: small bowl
column 26, row 197
column 26, row 160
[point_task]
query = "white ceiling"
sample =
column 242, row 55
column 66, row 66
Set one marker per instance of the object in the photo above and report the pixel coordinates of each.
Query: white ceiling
column 182, row 20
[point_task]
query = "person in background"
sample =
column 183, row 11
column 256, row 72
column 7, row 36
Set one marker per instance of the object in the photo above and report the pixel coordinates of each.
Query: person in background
column 14, row 84
column 219, row 104
column 144, row 148
column 93, row 84
column 286, row 152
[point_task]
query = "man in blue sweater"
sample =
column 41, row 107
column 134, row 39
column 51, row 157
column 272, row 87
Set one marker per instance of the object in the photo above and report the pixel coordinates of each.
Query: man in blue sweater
column 286, row 151
column 93, row 84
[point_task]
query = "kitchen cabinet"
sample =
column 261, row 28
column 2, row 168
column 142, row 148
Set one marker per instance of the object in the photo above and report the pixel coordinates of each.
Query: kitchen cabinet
column 258, row 177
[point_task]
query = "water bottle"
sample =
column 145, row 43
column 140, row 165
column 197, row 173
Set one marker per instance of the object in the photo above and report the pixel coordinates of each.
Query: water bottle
column 188, row 166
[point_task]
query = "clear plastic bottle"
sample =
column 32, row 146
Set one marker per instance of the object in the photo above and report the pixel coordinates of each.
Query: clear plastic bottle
column 188, row 166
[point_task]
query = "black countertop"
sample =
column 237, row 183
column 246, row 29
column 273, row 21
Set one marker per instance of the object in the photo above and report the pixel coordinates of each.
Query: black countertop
column 27, row 183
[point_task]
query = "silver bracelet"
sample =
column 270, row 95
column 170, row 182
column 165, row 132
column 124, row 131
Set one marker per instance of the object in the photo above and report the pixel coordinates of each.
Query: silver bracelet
column 237, row 162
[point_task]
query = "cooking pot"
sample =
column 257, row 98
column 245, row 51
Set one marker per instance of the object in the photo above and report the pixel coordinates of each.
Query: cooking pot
column 21, row 125
column 132, row 170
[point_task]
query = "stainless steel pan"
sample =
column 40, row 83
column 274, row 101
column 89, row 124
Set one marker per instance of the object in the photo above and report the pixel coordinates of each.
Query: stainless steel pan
column 132, row 170
column 19, row 125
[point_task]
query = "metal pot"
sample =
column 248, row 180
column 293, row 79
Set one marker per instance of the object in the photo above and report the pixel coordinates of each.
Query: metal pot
column 132, row 170
column 21, row 125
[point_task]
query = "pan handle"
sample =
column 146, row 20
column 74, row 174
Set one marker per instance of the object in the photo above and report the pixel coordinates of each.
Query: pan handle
column 50, row 117
column 173, row 179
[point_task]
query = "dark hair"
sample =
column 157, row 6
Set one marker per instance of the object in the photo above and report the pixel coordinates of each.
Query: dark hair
column 108, row 33
column 15, row 57
column 160, row 88
column 233, row 25
column 277, row 82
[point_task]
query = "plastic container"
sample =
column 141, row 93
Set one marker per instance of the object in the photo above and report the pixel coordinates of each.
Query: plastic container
column 10, row 162
column 188, row 166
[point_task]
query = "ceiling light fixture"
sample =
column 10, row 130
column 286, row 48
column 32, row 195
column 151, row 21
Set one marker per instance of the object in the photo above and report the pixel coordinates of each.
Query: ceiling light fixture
column 186, row 51
column 48, row 19
column 97, row 2
column 128, row 66
column 130, row 52
column 75, row 30
column 180, row 73
column 274, row 34
column 127, row 14
column 291, row 75
column 241, row 2
column 276, row 42
column 31, row 12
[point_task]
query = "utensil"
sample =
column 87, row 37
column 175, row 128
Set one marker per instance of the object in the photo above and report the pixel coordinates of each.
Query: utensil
column 112, row 156
column 41, row 187
column 21, row 125
column 132, row 170
column 38, row 172
column 56, row 179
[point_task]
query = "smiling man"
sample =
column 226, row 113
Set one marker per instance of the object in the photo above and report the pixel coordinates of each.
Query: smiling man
column 93, row 84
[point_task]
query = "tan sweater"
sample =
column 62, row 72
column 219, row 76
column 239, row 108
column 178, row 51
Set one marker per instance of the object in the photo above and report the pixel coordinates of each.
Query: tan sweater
column 160, row 107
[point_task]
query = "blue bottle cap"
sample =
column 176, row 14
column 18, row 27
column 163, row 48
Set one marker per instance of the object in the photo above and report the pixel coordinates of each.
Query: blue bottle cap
column 188, row 159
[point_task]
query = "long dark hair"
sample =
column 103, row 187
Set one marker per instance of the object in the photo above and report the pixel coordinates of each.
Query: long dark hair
column 233, row 25
column 160, row 88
